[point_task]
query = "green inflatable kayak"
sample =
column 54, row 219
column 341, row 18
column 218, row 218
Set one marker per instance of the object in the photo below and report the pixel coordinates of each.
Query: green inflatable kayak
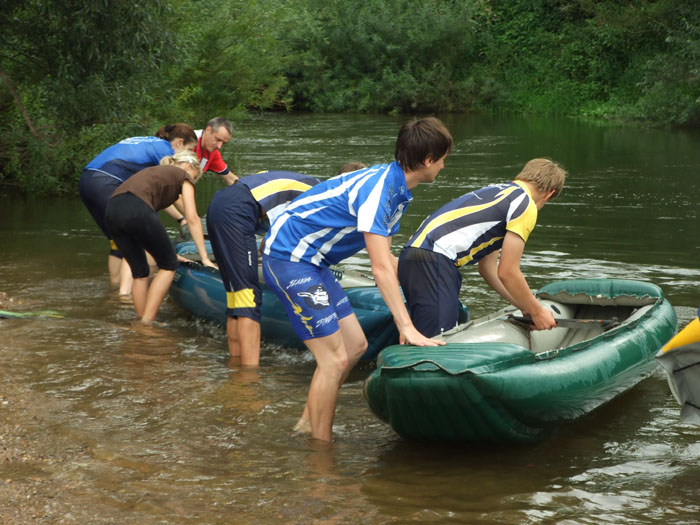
column 497, row 381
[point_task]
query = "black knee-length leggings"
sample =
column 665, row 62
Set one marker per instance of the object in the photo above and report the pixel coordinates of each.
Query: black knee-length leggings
column 136, row 229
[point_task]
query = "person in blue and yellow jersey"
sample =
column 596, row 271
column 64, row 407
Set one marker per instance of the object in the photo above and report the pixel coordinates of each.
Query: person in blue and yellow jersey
column 236, row 213
column 473, row 229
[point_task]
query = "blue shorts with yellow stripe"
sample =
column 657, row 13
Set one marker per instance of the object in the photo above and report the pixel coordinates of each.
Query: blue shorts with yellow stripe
column 232, row 219
column 312, row 296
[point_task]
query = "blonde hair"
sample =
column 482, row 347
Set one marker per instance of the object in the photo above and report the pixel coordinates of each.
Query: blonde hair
column 545, row 174
column 351, row 166
column 184, row 157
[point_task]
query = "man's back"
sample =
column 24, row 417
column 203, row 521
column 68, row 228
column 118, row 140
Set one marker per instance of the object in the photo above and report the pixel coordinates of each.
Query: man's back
column 326, row 224
column 473, row 225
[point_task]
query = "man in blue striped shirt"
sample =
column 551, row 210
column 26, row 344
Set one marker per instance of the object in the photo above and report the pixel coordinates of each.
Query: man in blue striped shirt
column 471, row 229
column 329, row 223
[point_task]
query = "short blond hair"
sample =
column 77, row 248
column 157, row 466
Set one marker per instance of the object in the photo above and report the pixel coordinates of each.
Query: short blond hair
column 351, row 166
column 182, row 157
column 545, row 174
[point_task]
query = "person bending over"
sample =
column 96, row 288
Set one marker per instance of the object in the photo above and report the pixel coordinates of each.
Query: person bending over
column 236, row 214
column 330, row 222
column 132, row 220
column 210, row 140
column 116, row 164
column 488, row 227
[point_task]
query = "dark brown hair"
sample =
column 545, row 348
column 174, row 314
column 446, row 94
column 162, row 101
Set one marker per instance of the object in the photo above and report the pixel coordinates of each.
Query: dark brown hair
column 177, row 131
column 421, row 139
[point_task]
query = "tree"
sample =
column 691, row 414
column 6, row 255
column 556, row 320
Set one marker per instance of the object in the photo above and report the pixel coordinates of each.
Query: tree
column 70, row 64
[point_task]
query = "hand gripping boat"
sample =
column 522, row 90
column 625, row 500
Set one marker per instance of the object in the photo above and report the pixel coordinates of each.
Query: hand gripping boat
column 497, row 381
column 200, row 291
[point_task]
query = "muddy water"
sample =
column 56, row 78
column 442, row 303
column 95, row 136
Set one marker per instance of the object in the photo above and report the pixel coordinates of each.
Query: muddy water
column 105, row 421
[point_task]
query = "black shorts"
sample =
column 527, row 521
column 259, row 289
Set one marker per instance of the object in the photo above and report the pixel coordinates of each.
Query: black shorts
column 136, row 229
column 431, row 283
column 95, row 190
column 232, row 219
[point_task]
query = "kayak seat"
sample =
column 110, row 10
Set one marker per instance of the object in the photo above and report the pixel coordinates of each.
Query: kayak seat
column 576, row 336
column 545, row 340
column 495, row 332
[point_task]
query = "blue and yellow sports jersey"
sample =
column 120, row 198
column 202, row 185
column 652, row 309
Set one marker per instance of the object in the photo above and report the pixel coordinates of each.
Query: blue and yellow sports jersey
column 474, row 225
column 327, row 223
column 274, row 190
column 125, row 158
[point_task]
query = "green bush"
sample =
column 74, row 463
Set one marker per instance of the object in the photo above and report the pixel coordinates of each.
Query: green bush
column 77, row 76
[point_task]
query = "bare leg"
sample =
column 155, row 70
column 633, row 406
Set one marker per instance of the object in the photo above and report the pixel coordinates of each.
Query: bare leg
column 243, row 335
column 156, row 293
column 303, row 426
column 356, row 344
column 139, row 293
column 125, row 278
column 152, row 264
column 234, row 345
column 331, row 361
column 114, row 264
column 249, row 339
column 354, row 339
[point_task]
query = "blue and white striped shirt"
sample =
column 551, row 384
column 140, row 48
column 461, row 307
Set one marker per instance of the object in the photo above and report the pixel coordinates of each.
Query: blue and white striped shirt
column 326, row 224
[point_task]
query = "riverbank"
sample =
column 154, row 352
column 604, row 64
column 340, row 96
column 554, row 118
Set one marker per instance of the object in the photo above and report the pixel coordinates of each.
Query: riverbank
column 31, row 463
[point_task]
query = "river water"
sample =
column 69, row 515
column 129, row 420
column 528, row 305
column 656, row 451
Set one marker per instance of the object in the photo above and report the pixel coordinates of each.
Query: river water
column 105, row 421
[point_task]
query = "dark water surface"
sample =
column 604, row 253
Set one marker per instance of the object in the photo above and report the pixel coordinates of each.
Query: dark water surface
column 132, row 424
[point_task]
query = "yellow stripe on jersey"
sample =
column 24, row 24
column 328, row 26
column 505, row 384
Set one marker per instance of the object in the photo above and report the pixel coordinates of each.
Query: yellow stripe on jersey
column 472, row 253
column 456, row 214
column 277, row 185
column 241, row 299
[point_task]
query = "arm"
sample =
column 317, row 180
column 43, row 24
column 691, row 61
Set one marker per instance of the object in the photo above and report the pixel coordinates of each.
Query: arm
column 488, row 269
column 229, row 178
column 384, row 272
column 194, row 222
column 394, row 258
column 173, row 212
column 514, row 282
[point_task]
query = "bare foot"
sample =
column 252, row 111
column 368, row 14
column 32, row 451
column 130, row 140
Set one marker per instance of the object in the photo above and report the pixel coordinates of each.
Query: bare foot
column 4, row 300
column 303, row 426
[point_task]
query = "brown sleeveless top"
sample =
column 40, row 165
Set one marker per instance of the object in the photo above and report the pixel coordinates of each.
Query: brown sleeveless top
column 157, row 186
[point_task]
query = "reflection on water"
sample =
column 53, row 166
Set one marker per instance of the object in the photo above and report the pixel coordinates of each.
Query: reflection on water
column 125, row 423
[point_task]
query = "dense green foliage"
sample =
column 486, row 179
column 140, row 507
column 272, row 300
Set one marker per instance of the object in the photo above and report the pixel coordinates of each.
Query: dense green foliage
column 68, row 67
column 389, row 55
column 77, row 76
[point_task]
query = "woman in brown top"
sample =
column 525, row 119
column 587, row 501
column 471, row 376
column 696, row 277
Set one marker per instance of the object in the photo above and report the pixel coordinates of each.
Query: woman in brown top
column 132, row 220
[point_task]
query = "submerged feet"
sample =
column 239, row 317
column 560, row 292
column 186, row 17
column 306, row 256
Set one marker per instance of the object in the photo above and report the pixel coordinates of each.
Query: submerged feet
column 303, row 426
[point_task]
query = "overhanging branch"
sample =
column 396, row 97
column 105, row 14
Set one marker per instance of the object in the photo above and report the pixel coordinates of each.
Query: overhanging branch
column 20, row 106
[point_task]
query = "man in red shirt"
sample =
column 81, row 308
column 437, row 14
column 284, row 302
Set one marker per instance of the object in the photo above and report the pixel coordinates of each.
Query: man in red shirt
column 217, row 133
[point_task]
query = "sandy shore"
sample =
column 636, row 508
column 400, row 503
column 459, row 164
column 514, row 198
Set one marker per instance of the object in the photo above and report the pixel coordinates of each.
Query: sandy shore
column 32, row 461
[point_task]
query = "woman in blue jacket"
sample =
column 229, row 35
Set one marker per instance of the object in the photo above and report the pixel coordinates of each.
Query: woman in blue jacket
column 115, row 165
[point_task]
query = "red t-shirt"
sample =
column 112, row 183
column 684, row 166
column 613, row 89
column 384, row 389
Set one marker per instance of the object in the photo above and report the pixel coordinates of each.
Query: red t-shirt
column 210, row 160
